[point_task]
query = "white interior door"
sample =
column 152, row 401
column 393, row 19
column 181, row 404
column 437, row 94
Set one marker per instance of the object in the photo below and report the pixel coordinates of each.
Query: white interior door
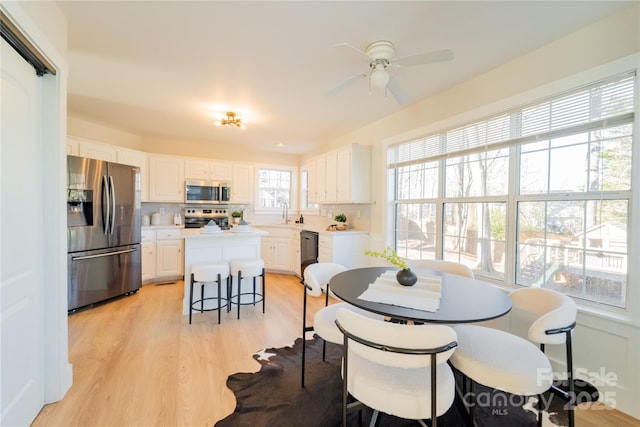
column 21, row 286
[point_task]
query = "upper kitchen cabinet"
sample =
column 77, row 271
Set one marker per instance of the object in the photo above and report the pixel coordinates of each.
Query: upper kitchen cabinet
column 208, row 170
column 166, row 178
column 353, row 174
column 136, row 158
column 111, row 153
column 343, row 176
column 92, row 149
column 242, row 183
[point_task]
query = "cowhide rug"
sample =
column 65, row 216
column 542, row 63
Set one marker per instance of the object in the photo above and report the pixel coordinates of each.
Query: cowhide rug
column 273, row 396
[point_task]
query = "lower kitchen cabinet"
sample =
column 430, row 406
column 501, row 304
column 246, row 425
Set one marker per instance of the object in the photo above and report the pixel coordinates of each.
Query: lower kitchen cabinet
column 168, row 258
column 162, row 254
column 148, row 261
column 276, row 252
column 343, row 247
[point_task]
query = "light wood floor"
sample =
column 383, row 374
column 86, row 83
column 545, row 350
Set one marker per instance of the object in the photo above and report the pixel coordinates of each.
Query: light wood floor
column 138, row 362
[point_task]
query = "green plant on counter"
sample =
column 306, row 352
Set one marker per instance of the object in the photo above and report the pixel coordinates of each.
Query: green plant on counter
column 390, row 255
column 236, row 214
column 340, row 218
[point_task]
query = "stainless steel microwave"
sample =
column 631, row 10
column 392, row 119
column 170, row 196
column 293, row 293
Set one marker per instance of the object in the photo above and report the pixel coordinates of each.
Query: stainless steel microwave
column 207, row 192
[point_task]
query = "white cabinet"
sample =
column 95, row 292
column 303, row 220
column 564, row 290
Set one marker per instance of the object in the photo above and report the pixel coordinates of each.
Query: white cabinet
column 148, row 249
column 207, row 170
column 344, row 175
column 169, row 258
column 294, row 252
column 97, row 150
column 242, row 183
column 276, row 253
column 280, row 250
column 73, row 147
column 343, row 247
column 162, row 254
column 312, row 182
column 136, row 158
column 166, row 178
column 321, row 180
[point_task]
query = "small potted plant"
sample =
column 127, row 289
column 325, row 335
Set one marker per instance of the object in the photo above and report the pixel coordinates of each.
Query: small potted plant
column 341, row 219
column 236, row 216
column 405, row 276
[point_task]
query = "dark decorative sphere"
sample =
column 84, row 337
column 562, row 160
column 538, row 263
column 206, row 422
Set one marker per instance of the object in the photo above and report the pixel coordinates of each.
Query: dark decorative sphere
column 406, row 277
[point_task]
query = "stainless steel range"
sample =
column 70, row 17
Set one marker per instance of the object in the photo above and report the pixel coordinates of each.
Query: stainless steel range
column 199, row 217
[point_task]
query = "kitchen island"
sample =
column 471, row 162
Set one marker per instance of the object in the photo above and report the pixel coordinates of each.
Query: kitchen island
column 216, row 247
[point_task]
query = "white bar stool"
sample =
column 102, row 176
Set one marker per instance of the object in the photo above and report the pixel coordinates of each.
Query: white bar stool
column 206, row 274
column 244, row 268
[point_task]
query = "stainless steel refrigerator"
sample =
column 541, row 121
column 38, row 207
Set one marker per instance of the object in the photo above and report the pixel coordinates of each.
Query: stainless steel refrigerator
column 103, row 230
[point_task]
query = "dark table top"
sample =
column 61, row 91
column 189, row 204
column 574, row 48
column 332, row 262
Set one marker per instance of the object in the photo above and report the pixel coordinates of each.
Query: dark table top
column 463, row 300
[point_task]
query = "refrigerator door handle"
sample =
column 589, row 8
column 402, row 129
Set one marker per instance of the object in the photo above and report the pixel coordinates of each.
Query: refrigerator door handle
column 79, row 258
column 113, row 203
column 106, row 219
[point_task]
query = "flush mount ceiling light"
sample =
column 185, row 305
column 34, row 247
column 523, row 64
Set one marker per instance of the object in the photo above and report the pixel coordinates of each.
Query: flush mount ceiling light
column 231, row 119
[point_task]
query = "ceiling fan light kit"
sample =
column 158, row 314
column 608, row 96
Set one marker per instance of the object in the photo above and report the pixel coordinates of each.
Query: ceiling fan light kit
column 231, row 119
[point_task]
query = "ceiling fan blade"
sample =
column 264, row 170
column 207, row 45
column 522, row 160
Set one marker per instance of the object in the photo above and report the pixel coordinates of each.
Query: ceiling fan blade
column 426, row 58
column 346, row 83
column 354, row 48
column 397, row 92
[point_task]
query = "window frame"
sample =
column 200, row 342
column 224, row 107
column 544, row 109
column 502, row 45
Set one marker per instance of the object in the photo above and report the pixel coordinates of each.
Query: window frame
column 513, row 198
column 293, row 188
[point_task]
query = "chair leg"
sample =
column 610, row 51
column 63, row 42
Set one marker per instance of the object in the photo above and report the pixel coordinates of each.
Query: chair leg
column 229, row 289
column 239, row 290
column 434, row 381
column 345, row 379
column 190, row 298
column 572, row 393
column 219, row 298
column 264, row 290
column 304, row 329
column 202, row 298
column 539, row 423
column 254, row 290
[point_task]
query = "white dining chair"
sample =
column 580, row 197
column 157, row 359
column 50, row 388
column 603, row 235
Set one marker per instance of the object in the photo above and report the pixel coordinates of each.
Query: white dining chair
column 396, row 369
column 507, row 362
column 316, row 279
column 549, row 318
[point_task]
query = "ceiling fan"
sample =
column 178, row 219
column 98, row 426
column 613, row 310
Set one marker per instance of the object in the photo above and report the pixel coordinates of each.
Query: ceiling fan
column 381, row 56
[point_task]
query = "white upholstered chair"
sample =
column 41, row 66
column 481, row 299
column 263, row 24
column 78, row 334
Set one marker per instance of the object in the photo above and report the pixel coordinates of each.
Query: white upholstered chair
column 316, row 279
column 396, row 369
column 550, row 318
column 440, row 265
column 510, row 363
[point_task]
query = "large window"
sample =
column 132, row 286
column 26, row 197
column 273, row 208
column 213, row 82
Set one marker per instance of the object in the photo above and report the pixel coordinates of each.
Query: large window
column 538, row 196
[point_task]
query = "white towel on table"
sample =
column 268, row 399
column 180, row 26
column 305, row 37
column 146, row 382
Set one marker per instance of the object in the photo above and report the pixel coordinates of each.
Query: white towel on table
column 424, row 295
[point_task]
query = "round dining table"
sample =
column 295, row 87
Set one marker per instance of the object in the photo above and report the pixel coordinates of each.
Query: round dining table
column 462, row 300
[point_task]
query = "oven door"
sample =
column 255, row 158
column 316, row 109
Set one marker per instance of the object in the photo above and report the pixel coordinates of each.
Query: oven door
column 195, row 222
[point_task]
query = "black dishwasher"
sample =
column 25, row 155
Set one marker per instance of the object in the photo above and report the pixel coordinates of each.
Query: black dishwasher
column 308, row 249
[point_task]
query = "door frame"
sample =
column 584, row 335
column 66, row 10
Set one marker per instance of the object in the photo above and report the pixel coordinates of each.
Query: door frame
column 52, row 141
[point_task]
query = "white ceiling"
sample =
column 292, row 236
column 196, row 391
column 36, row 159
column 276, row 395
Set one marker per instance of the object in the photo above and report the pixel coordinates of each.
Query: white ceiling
column 160, row 69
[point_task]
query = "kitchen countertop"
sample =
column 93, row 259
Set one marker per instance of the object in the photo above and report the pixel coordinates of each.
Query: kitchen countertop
column 309, row 228
column 225, row 234
column 156, row 227
column 195, row 231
